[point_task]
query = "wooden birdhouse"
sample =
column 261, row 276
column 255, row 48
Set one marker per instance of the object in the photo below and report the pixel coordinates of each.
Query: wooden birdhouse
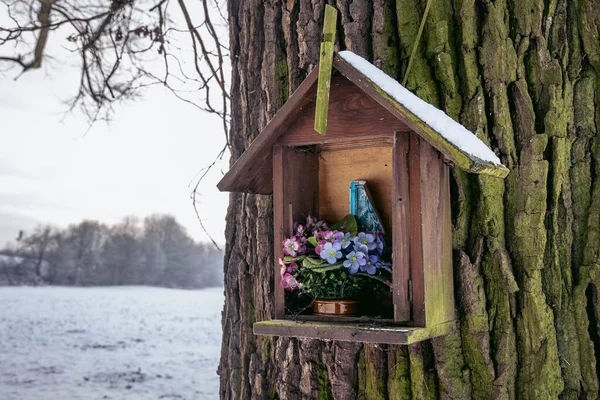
column 379, row 132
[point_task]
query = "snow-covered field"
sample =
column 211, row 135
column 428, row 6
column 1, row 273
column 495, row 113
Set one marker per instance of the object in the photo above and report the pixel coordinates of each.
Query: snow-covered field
column 109, row 343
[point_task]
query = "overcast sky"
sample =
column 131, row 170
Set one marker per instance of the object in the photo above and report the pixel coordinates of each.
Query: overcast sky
column 142, row 163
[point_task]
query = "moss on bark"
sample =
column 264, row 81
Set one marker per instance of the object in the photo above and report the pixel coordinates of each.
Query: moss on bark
column 525, row 76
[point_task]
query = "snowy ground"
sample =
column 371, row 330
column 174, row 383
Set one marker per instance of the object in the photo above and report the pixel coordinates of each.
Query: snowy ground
column 109, row 343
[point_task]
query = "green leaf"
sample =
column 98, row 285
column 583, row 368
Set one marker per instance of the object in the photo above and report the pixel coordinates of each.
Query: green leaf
column 313, row 240
column 289, row 259
column 327, row 268
column 311, row 263
column 347, row 225
column 313, row 260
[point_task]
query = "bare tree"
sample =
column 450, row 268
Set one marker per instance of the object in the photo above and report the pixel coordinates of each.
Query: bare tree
column 41, row 242
column 122, row 46
column 91, row 253
column 122, row 254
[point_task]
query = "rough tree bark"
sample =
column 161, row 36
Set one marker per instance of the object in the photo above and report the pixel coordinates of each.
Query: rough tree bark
column 524, row 75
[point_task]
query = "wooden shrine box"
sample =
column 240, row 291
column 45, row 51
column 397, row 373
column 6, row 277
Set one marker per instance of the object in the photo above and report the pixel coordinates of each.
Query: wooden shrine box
column 372, row 136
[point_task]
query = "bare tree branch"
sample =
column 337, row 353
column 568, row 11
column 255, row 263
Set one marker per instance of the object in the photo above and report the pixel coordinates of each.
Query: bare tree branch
column 123, row 47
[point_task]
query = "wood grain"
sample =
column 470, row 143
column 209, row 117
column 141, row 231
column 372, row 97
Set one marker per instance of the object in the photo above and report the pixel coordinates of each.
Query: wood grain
column 295, row 195
column 335, row 318
column 338, row 168
column 436, row 237
column 252, row 172
column 279, row 228
column 352, row 117
column 416, row 246
column 401, row 236
column 353, row 332
column 459, row 157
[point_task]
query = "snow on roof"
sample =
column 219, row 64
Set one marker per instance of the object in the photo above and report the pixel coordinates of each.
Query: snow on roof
column 438, row 120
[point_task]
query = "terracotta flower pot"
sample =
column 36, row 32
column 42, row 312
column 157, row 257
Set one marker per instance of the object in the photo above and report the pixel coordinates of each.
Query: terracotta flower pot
column 345, row 308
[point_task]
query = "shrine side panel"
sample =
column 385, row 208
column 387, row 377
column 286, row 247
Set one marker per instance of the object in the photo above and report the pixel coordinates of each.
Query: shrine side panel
column 436, row 236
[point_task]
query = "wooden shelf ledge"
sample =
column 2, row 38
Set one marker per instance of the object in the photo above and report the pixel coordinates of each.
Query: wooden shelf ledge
column 352, row 332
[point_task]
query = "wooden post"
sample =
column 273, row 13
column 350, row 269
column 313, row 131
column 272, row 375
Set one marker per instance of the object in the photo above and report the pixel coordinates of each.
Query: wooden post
column 325, row 67
column 401, row 228
column 295, row 194
column 416, row 244
column 279, row 223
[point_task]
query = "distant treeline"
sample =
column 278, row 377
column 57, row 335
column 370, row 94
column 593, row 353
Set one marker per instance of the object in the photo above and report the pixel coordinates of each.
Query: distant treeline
column 156, row 252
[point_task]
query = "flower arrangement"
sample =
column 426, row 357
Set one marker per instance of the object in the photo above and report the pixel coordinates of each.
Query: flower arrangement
column 334, row 262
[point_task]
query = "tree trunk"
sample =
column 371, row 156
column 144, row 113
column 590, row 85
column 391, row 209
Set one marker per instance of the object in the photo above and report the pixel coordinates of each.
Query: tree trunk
column 525, row 76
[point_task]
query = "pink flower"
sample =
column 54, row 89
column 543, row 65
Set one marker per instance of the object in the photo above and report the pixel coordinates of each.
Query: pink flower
column 302, row 247
column 289, row 282
column 283, row 268
column 321, row 226
column 327, row 235
column 290, row 268
column 310, row 221
column 319, row 248
column 291, row 246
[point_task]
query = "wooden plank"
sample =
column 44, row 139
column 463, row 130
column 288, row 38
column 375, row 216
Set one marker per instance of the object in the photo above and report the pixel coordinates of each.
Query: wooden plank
column 380, row 141
column 458, row 156
column 401, row 222
column 416, row 245
column 325, row 64
column 447, row 278
column 338, row 168
column 448, row 266
column 295, row 195
column 252, row 172
column 279, row 226
column 353, row 118
column 335, row 318
column 351, row 332
column 301, row 185
column 436, row 236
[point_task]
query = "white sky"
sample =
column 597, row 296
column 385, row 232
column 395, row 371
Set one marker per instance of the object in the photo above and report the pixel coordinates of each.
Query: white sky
column 142, row 163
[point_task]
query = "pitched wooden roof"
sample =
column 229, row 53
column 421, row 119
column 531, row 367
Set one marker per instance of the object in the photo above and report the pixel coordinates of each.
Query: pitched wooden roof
column 252, row 172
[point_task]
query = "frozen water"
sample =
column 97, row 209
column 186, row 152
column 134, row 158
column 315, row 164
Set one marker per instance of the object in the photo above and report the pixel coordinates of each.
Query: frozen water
column 109, row 343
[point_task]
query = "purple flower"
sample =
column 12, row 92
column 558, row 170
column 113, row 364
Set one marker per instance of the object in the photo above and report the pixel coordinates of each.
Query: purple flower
column 354, row 260
column 367, row 239
column 380, row 243
column 370, row 266
column 300, row 230
column 385, row 265
column 331, row 252
column 344, row 239
column 361, row 247
column 291, row 246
